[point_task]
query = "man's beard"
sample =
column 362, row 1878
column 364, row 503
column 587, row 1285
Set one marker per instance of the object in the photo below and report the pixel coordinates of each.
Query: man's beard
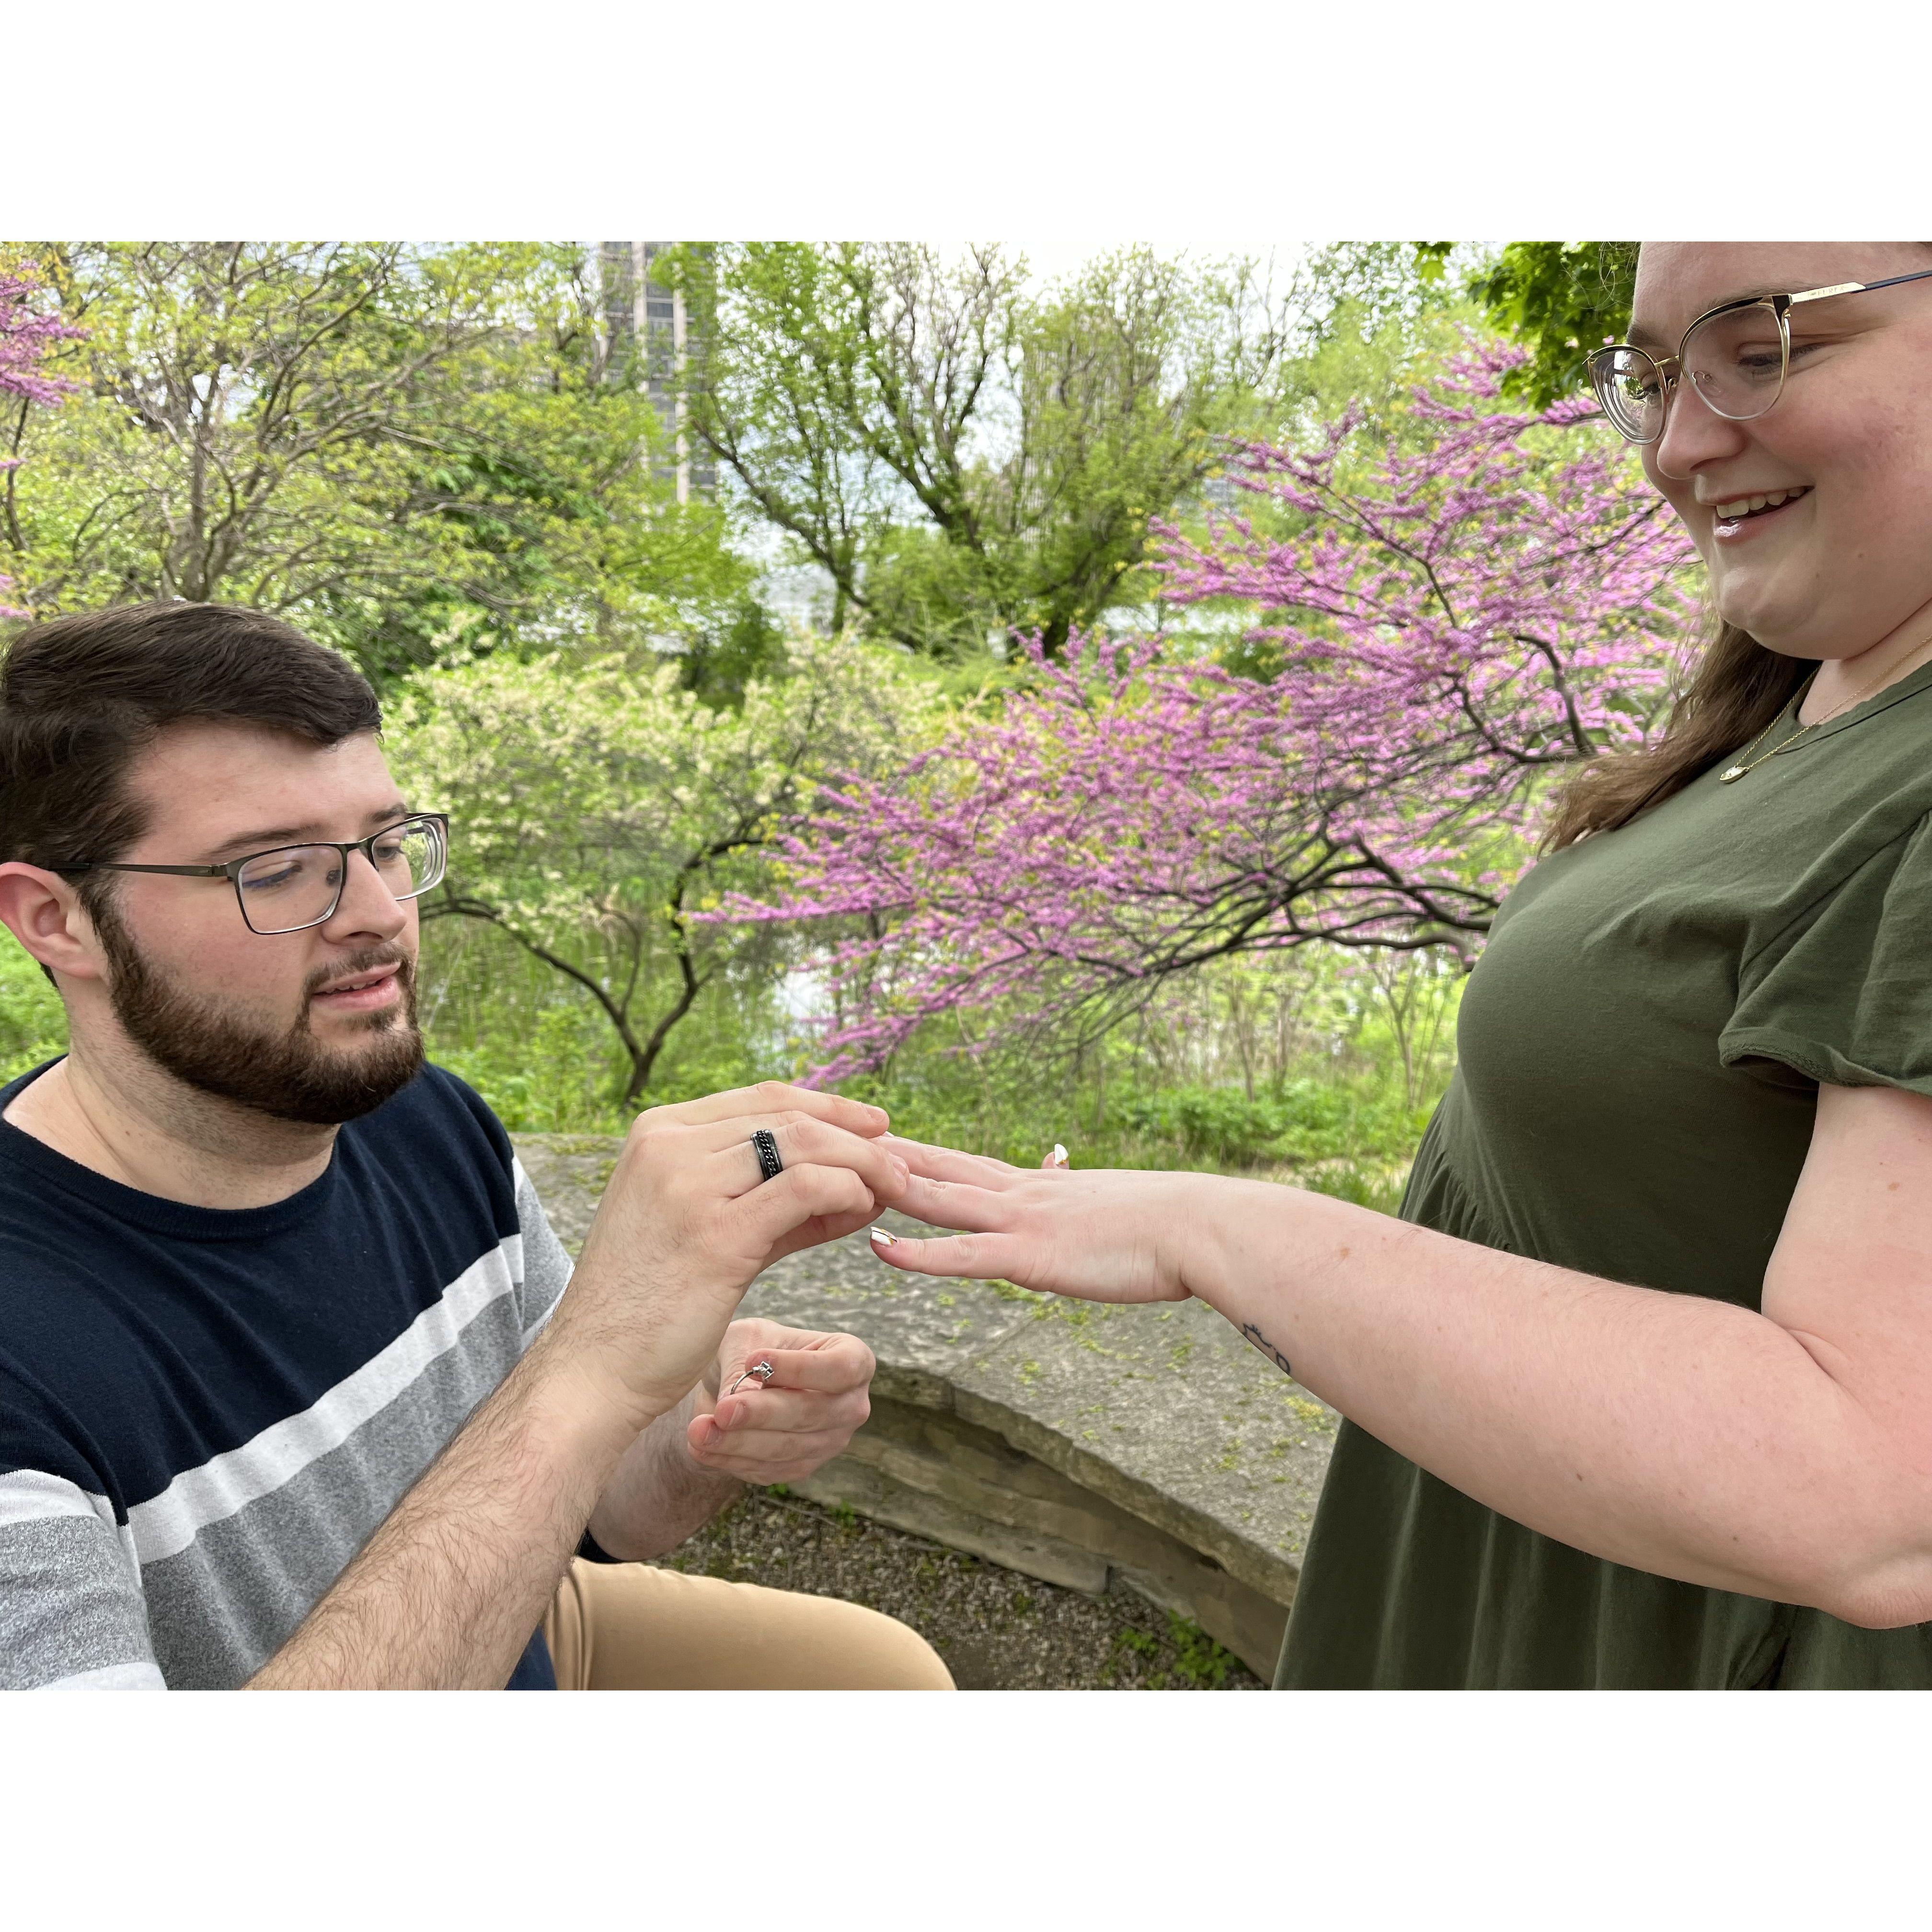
column 292, row 1076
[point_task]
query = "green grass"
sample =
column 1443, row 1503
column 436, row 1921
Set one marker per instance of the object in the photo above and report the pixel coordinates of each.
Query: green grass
column 1190, row 1659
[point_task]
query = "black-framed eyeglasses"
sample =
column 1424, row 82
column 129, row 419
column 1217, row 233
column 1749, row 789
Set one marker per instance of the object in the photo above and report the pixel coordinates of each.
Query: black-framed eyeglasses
column 1737, row 356
column 290, row 887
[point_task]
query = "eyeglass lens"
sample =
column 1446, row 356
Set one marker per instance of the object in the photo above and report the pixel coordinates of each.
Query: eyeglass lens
column 284, row 890
column 1736, row 359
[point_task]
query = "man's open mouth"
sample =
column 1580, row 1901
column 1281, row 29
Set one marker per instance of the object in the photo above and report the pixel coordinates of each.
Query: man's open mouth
column 361, row 983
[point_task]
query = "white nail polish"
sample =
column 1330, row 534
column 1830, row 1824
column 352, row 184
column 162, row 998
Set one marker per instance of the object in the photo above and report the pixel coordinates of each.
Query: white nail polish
column 880, row 1238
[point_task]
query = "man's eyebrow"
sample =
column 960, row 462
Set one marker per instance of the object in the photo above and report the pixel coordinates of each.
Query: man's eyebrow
column 1642, row 337
column 266, row 838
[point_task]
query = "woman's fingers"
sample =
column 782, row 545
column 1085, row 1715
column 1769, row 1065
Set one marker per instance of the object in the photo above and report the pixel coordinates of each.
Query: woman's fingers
column 969, row 1257
column 953, row 1204
column 945, row 1163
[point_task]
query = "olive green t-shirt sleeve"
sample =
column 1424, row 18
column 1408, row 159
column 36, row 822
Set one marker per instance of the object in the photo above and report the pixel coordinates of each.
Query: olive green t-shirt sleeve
column 1843, row 993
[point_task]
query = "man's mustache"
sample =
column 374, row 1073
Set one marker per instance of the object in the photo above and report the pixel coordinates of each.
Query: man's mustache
column 368, row 961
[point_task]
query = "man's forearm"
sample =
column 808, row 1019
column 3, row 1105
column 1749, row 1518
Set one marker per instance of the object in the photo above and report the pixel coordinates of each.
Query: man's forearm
column 659, row 1494
column 446, row 1594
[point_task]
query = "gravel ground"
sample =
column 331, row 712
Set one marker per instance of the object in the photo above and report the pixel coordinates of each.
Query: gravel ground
column 997, row 1630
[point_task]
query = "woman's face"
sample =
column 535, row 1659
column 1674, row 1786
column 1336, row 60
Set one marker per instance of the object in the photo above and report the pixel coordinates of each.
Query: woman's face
column 1846, row 563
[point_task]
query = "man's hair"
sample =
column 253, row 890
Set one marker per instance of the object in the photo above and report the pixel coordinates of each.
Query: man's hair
column 81, row 697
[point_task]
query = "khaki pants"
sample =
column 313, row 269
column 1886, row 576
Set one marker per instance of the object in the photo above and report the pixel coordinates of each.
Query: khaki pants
column 630, row 1627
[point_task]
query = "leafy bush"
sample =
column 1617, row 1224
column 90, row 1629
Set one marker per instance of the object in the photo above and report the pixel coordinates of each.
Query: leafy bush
column 33, row 1022
column 1306, row 1120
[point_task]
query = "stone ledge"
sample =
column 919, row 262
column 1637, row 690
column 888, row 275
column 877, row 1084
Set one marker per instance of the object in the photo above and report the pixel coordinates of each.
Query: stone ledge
column 1062, row 1439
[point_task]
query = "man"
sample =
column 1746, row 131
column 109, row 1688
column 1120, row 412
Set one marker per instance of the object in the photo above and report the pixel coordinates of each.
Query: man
column 291, row 1393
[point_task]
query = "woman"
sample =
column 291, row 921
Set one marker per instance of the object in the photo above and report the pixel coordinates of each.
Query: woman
column 1639, row 1390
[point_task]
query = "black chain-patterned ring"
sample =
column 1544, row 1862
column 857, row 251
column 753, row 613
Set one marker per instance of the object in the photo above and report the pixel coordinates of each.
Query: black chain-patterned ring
column 766, row 1149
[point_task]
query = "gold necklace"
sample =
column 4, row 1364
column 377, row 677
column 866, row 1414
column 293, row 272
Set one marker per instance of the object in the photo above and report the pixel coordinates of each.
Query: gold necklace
column 1734, row 773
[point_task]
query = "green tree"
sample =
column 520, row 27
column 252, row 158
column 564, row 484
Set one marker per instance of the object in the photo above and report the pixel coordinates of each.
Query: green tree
column 967, row 458
column 1560, row 300
column 412, row 451
column 598, row 804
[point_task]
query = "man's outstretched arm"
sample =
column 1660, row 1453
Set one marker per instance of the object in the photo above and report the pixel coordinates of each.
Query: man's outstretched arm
column 447, row 1592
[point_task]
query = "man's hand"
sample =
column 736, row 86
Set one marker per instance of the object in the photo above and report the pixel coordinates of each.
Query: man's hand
column 782, row 1430
column 688, row 1222
column 446, row 1592
column 684, row 1468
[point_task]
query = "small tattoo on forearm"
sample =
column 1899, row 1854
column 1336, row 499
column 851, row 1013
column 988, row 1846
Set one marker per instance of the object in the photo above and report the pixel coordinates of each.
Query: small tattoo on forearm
column 1266, row 1347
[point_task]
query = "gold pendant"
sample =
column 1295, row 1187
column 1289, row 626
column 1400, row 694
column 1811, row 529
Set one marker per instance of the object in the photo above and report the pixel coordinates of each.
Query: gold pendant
column 1736, row 772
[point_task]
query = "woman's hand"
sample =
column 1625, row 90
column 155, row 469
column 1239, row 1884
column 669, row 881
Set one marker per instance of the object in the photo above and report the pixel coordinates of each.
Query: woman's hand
column 1101, row 1235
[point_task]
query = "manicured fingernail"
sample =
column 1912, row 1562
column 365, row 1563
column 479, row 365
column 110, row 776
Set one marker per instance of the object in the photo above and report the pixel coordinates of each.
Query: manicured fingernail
column 882, row 1240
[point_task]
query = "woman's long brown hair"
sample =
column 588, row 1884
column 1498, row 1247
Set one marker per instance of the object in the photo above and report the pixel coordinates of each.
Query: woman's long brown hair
column 1737, row 688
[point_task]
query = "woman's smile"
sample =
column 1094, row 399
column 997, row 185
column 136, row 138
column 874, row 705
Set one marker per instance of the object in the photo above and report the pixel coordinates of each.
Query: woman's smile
column 1738, row 518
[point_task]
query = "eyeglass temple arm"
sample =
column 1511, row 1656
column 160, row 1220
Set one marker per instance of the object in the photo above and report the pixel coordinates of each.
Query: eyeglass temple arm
column 177, row 872
column 1859, row 288
column 228, row 871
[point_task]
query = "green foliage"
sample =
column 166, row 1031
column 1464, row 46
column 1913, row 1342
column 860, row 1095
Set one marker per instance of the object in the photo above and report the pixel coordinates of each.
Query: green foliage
column 1560, row 300
column 1314, row 1067
column 598, row 804
column 539, row 1049
column 743, row 644
column 1188, row 1654
column 33, row 1022
column 1307, row 1120
column 966, row 457
column 416, row 454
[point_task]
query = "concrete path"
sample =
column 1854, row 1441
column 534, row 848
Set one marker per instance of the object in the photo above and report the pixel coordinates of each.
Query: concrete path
column 1078, row 1443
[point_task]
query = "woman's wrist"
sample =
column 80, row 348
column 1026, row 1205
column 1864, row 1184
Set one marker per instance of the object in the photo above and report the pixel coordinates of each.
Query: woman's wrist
column 1253, row 1246
column 1205, row 1218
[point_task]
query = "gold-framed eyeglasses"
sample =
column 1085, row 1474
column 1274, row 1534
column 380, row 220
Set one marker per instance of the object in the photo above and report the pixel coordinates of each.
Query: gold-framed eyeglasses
column 291, row 887
column 1735, row 355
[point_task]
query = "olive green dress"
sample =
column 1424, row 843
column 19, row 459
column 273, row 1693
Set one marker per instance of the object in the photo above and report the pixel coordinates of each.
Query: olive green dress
column 1639, row 1051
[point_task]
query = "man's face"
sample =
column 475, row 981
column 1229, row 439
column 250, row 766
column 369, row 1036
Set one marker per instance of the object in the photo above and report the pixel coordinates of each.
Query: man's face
column 318, row 1025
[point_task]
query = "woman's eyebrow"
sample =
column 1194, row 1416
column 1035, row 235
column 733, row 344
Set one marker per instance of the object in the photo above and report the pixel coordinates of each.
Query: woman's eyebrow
column 1641, row 337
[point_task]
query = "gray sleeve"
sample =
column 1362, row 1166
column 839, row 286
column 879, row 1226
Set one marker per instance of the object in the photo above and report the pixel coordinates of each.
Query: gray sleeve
column 546, row 1261
column 72, row 1614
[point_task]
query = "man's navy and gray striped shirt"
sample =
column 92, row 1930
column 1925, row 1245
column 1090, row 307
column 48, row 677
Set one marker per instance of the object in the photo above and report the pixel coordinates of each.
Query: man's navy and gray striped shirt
column 204, row 1413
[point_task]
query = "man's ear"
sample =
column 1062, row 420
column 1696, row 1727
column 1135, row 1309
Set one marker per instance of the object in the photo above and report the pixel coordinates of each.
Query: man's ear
column 43, row 912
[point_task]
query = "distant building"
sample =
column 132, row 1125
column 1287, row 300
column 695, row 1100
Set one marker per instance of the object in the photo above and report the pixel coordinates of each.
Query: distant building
column 642, row 314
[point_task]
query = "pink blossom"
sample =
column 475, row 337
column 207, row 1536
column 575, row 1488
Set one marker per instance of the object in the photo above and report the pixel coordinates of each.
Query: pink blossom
column 1456, row 624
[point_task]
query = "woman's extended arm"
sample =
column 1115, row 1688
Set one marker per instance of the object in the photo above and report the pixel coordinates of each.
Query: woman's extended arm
column 1785, row 1455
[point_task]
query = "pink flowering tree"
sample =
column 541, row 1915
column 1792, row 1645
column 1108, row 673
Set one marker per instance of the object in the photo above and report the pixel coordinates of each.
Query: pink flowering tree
column 1447, row 622
column 26, row 334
